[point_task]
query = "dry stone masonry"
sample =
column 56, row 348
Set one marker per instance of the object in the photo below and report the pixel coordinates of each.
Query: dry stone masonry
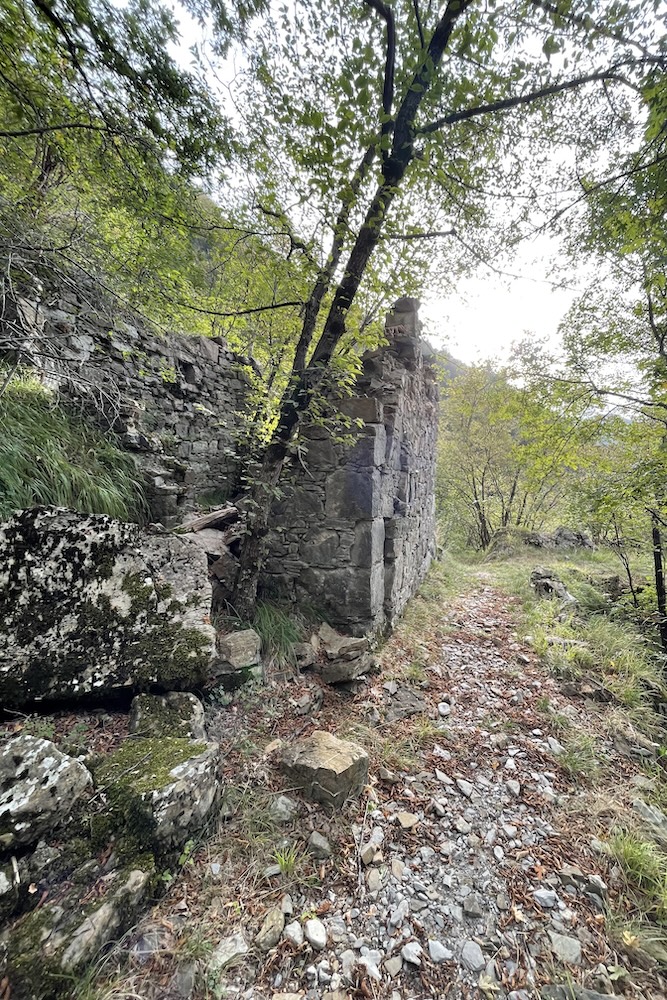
column 354, row 533
column 175, row 401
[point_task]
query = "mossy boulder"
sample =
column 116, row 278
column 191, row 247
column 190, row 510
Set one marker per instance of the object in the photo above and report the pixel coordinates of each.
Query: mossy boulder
column 90, row 606
column 178, row 713
column 159, row 790
column 43, row 952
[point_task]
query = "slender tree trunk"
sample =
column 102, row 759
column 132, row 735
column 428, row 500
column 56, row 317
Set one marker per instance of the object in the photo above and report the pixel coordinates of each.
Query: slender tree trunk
column 659, row 571
column 623, row 556
column 306, row 379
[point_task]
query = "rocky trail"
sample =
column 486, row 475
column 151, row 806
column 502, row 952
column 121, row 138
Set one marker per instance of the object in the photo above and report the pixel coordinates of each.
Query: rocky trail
column 473, row 864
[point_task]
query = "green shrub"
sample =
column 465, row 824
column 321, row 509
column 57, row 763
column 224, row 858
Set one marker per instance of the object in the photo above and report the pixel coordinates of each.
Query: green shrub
column 50, row 457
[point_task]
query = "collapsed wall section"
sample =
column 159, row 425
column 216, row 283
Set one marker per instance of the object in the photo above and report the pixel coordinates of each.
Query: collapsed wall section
column 354, row 532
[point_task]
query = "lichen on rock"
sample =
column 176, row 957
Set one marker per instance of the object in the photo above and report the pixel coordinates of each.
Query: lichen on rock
column 44, row 950
column 90, row 606
column 177, row 713
column 39, row 787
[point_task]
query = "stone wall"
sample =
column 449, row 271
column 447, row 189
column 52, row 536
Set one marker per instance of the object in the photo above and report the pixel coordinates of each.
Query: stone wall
column 354, row 532
column 176, row 402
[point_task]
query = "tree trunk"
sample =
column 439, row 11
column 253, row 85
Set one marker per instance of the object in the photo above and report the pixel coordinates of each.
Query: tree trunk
column 306, row 379
column 659, row 571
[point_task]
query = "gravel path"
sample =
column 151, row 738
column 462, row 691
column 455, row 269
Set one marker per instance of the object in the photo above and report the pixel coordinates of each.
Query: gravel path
column 473, row 872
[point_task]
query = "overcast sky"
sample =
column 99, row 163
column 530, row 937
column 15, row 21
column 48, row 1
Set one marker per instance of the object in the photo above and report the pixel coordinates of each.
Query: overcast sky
column 488, row 311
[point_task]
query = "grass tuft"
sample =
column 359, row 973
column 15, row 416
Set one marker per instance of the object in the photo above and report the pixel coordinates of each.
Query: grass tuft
column 50, row 457
column 279, row 630
column 580, row 759
column 644, row 866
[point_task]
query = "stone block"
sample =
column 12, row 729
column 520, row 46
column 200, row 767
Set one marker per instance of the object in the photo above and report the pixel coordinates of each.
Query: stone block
column 366, row 408
column 39, row 787
column 211, row 540
column 208, row 349
column 177, row 713
column 161, row 788
column 326, row 768
column 353, row 495
column 320, row 548
column 241, row 649
column 342, row 670
column 321, row 453
column 369, row 540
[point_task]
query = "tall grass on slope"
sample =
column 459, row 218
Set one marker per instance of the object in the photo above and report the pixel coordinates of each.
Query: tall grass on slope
column 50, row 457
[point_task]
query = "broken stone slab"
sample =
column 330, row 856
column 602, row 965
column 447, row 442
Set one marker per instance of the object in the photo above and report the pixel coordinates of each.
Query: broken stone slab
column 240, row 659
column 177, row 713
column 160, row 790
column 208, row 539
column 327, row 768
column 50, row 944
column 229, row 952
column 341, row 671
column 304, row 655
column 404, row 703
column 340, row 647
column 39, row 787
column 225, row 570
column 108, row 606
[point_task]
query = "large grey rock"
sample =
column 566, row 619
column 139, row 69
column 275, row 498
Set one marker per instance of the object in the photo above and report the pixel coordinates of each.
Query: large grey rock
column 90, row 605
column 347, row 657
column 39, row 786
column 340, row 671
column 328, row 769
column 161, row 789
column 547, row 584
column 45, row 948
column 177, row 713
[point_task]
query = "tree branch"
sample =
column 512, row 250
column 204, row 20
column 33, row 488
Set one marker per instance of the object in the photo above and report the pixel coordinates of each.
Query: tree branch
column 432, row 234
column 415, row 5
column 508, row 103
column 388, row 89
column 43, row 129
column 587, row 24
column 237, row 312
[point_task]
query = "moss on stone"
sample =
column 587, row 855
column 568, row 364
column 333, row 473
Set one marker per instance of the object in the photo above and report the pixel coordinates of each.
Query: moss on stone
column 142, row 595
column 128, row 776
column 38, row 940
column 162, row 715
column 143, row 765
